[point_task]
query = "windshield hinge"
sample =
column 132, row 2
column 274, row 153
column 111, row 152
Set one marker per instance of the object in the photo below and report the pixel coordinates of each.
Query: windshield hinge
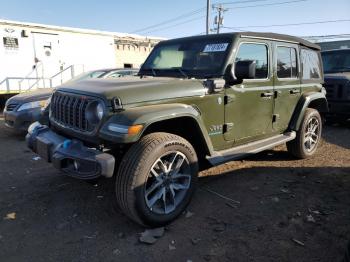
column 214, row 85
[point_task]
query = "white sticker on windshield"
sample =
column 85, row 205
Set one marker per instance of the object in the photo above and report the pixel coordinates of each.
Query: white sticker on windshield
column 215, row 47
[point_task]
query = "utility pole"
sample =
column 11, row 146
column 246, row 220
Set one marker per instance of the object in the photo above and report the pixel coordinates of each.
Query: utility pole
column 208, row 17
column 219, row 19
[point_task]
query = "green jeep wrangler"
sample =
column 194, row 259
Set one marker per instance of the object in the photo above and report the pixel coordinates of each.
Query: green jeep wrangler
column 199, row 100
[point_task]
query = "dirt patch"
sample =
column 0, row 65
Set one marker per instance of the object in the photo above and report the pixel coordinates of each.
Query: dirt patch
column 269, row 207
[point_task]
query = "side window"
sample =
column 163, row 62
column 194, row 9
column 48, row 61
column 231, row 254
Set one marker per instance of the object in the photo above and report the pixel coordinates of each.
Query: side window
column 257, row 53
column 310, row 64
column 286, row 62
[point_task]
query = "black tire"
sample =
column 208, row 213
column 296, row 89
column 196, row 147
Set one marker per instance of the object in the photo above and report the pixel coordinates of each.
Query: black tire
column 134, row 176
column 298, row 147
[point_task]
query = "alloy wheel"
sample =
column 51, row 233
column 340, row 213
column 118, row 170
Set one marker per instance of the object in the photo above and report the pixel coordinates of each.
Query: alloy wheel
column 312, row 134
column 168, row 182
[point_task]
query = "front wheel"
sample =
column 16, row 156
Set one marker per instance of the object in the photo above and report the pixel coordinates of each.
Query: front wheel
column 308, row 136
column 156, row 179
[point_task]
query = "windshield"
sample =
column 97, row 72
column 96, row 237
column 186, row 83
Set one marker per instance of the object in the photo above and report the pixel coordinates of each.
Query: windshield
column 120, row 73
column 91, row 74
column 336, row 61
column 188, row 58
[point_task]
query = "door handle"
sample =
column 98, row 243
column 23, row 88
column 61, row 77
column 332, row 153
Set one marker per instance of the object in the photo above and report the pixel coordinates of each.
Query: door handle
column 294, row 91
column 267, row 94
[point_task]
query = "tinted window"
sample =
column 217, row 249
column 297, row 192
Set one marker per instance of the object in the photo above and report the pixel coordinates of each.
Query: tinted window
column 310, row 64
column 336, row 61
column 286, row 62
column 257, row 53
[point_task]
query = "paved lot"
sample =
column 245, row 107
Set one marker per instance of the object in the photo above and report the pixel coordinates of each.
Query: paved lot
column 288, row 210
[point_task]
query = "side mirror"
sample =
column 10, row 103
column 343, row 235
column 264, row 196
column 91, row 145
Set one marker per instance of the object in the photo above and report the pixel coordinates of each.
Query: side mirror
column 245, row 69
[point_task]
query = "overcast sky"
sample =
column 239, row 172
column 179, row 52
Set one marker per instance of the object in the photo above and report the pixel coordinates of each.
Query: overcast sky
column 184, row 17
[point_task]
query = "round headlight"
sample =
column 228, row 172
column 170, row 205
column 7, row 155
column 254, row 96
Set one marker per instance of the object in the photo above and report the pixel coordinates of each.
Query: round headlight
column 94, row 112
column 99, row 111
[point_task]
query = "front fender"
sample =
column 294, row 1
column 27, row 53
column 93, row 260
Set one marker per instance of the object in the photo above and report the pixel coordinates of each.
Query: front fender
column 316, row 100
column 147, row 115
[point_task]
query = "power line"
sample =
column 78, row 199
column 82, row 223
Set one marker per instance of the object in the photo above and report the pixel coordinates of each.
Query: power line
column 186, row 15
column 149, row 29
column 271, row 4
column 295, row 24
column 185, row 22
column 240, row 2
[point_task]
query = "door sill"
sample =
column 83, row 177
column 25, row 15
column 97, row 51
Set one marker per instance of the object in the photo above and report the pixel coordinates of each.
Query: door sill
column 219, row 157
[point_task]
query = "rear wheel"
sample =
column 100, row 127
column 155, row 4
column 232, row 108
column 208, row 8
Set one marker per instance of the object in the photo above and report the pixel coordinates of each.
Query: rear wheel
column 308, row 136
column 156, row 179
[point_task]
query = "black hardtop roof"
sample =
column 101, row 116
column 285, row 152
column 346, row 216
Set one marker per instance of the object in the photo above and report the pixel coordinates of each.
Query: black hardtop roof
column 272, row 36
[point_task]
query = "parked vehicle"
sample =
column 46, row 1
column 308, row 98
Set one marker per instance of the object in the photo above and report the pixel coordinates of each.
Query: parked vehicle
column 210, row 99
column 337, row 83
column 23, row 109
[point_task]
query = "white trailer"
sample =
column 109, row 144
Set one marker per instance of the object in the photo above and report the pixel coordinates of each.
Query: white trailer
column 39, row 56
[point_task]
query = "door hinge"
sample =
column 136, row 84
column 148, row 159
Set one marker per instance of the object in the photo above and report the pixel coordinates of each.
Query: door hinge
column 229, row 99
column 275, row 118
column 227, row 127
column 278, row 92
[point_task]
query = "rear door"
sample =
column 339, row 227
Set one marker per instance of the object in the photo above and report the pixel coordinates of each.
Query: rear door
column 287, row 84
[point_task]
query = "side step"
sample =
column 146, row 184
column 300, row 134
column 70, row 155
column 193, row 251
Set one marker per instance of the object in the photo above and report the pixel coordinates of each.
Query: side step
column 238, row 152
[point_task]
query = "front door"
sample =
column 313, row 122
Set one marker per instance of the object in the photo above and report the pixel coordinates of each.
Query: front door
column 249, row 105
column 287, row 84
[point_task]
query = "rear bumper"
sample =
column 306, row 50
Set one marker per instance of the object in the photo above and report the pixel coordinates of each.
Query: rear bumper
column 20, row 121
column 70, row 156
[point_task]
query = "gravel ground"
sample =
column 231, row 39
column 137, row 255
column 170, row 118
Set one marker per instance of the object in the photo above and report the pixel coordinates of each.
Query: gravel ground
column 269, row 207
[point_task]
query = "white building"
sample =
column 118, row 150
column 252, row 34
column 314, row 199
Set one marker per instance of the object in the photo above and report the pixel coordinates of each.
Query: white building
column 40, row 56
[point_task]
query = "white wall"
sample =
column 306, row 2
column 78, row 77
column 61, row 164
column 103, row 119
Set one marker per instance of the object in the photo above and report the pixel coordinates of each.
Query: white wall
column 16, row 62
column 93, row 51
column 68, row 48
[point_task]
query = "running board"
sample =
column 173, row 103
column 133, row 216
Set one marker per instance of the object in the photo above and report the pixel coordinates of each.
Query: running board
column 219, row 157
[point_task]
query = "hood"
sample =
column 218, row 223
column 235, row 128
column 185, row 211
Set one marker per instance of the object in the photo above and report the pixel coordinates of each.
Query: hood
column 344, row 75
column 37, row 95
column 137, row 90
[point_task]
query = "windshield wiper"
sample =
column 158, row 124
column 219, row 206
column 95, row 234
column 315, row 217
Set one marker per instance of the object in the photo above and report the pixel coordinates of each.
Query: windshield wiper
column 153, row 72
column 142, row 73
column 181, row 71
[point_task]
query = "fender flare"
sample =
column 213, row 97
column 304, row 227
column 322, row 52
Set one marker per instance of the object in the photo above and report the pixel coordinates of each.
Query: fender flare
column 148, row 115
column 315, row 100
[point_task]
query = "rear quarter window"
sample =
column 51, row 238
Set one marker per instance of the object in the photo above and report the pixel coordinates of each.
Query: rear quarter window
column 311, row 66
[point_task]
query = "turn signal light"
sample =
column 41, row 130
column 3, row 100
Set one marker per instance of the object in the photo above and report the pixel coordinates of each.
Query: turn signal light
column 134, row 130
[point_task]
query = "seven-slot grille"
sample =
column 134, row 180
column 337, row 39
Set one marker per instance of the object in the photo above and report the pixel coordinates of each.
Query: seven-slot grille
column 69, row 110
column 11, row 107
column 336, row 89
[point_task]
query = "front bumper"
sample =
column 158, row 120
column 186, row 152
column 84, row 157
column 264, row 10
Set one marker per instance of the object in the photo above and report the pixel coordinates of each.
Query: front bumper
column 21, row 120
column 70, row 156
